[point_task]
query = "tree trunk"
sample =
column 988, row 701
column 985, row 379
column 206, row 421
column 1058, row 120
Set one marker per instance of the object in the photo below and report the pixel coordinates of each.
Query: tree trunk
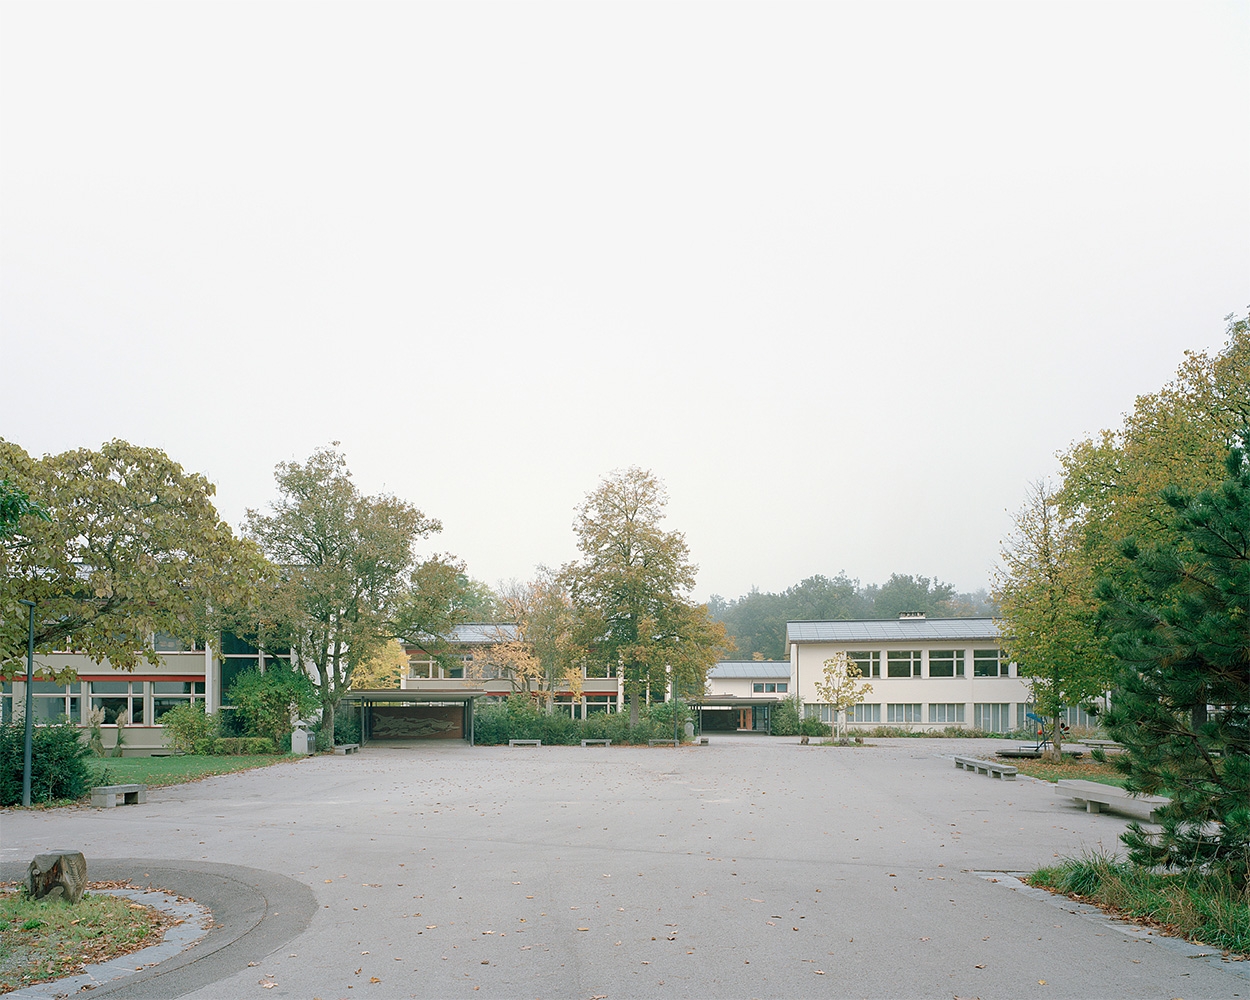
column 633, row 709
column 1056, row 741
column 327, row 720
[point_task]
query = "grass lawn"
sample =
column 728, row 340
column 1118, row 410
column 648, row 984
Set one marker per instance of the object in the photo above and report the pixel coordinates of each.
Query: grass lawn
column 1089, row 770
column 48, row 939
column 1202, row 907
column 155, row 771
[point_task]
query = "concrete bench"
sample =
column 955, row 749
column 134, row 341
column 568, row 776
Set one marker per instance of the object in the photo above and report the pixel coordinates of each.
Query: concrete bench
column 702, row 741
column 1102, row 744
column 525, row 743
column 661, row 743
column 346, row 748
column 598, row 743
column 1095, row 795
column 993, row 769
column 106, row 796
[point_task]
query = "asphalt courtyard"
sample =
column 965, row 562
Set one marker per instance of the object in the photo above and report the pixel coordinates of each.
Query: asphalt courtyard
column 747, row 868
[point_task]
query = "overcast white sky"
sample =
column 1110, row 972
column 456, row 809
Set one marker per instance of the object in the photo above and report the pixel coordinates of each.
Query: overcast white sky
column 846, row 276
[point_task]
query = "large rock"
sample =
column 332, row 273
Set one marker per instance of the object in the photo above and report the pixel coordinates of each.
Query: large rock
column 58, row 875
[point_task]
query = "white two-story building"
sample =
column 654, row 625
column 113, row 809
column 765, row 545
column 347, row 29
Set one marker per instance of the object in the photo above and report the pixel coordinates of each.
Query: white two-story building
column 926, row 673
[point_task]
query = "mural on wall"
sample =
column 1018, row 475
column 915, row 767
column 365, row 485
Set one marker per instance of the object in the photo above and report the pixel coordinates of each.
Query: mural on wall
column 418, row 722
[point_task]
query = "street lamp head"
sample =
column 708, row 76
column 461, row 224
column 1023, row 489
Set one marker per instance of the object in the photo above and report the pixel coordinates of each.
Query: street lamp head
column 29, row 604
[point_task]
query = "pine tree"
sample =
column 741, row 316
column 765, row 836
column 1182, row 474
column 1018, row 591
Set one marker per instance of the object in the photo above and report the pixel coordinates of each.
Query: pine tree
column 1177, row 616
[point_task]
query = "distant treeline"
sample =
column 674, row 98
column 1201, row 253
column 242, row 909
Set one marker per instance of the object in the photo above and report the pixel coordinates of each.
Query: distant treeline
column 757, row 621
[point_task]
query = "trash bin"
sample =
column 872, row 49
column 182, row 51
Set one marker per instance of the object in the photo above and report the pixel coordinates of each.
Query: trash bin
column 301, row 741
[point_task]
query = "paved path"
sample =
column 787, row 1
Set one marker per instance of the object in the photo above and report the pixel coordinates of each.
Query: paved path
column 749, row 868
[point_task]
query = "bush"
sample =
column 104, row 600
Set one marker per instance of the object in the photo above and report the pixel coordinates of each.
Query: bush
column 346, row 729
column 812, row 726
column 519, row 718
column 190, row 729
column 232, row 746
column 58, row 766
column 786, row 721
column 264, row 703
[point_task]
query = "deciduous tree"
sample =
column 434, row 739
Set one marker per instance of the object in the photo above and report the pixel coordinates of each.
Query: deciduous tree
column 347, row 562
column 842, row 687
column 629, row 591
column 1045, row 592
column 132, row 545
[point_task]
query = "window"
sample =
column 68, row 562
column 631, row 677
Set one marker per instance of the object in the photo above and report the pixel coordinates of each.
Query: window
column 904, row 663
column 864, row 713
column 903, row 713
column 419, row 669
column 989, row 663
column 946, row 663
column 1077, row 717
column 991, row 717
column 53, row 702
column 122, row 699
column 171, row 694
column 949, row 713
column 769, row 687
column 783, row 687
column 6, row 702
column 163, row 642
column 757, row 687
column 815, row 710
column 869, row 663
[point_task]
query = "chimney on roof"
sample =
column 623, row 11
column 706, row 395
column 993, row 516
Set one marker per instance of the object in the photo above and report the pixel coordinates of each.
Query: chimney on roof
column 911, row 616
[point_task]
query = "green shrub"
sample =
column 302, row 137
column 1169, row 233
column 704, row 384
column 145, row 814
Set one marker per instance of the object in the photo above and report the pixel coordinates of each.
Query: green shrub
column 346, row 728
column 264, row 703
column 812, row 726
column 785, row 721
column 519, row 718
column 190, row 729
column 58, row 766
column 232, row 746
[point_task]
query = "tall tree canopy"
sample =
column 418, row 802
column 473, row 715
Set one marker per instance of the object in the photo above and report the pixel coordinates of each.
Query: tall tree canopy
column 131, row 545
column 1177, row 611
column 349, row 577
column 1177, row 437
column 756, row 622
column 629, row 590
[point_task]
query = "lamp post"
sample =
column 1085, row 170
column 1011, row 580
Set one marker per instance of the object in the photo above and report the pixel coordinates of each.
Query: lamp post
column 30, row 701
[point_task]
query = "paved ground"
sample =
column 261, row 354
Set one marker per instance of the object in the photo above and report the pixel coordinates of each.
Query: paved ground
column 749, row 868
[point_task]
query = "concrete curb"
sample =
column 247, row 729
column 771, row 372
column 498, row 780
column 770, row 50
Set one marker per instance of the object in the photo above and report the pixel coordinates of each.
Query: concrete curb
column 253, row 913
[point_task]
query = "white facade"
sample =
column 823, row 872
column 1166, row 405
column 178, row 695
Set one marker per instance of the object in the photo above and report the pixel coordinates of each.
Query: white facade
column 925, row 673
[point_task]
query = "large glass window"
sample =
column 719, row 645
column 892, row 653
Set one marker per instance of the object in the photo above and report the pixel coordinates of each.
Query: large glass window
column 946, row 663
column 949, row 714
column 421, row 668
column 989, row 663
column 992, row 717
column 903, row 713
column 864, row 713
column 53, row 702
column 869, row 663
column 903, row 663
column 118, row 699
column 171, row 694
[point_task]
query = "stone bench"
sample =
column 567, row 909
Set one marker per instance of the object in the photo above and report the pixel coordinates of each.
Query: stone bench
column 1095, row 795
column 346, row 748
column 702, row 741
column 525, row 743
column 106, row 796
column 598, row 743
column 992, row 768
column 662, row 743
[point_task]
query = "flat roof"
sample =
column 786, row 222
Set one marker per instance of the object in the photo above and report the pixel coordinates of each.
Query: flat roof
column 413, row 697
column 893, row 630
column 750, row 669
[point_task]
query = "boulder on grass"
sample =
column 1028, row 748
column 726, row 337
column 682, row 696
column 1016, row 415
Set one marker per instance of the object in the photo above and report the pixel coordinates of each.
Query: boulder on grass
column 57, row 875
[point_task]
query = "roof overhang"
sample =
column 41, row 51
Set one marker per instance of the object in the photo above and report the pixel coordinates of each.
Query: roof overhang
column 423, row 696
